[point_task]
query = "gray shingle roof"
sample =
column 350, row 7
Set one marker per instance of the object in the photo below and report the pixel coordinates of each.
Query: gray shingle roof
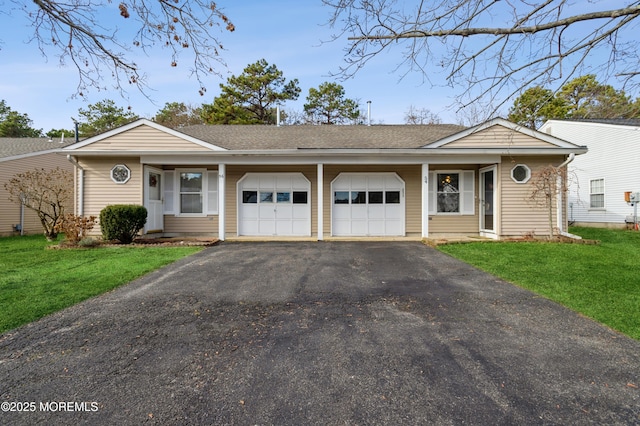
column 11, row 147
column 257, row 137
column 635, row 122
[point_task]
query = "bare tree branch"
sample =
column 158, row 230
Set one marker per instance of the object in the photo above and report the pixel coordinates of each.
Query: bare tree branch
column 465, row 32
column 457, row 41
column 102, row 39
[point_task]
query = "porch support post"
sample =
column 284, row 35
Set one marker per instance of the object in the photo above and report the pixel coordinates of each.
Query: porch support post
column 320, row 192
column 222, row 210
column 425, row 200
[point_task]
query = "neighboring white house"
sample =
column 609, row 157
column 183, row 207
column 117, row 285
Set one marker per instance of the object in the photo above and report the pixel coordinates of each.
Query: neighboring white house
column 603, row 175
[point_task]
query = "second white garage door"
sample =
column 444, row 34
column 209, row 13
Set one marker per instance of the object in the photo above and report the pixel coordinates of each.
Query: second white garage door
column 367, row 204
column 274, row 204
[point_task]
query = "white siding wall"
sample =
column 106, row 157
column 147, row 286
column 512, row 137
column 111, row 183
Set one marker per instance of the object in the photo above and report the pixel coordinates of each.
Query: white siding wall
column 614, row 155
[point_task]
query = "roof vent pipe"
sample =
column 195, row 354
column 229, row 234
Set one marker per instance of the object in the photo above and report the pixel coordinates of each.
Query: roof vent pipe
column 368, row 113
column 278, row 115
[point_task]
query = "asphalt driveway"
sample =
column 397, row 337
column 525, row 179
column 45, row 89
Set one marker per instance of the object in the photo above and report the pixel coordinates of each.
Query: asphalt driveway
column 318, row 333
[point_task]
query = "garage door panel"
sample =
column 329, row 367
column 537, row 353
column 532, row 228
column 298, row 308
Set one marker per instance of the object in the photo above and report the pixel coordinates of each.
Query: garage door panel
column 341, row 212
column 267, row 212
column 342, row 227
column 267, row 182
column 299, row 227
column 393, row 227
column 377, row 212
column 359, row 227
column 284, row 212
column 359, row 212
column 266, row 227
column 376, row 181
column 299, row 212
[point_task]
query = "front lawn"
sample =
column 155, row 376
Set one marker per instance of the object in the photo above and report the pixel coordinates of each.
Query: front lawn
column 36, row 281
column 599, row 281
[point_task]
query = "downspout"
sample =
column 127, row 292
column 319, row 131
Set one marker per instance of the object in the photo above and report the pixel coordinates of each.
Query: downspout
column 21, row 219
column 81, row 188
column 560, row 204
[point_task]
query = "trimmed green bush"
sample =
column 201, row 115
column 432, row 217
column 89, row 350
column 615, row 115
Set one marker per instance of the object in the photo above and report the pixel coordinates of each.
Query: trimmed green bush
column 122, row 222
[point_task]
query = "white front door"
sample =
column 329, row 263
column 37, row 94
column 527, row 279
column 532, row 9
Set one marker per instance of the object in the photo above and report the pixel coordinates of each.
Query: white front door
column 488, row 211
column 153, row 199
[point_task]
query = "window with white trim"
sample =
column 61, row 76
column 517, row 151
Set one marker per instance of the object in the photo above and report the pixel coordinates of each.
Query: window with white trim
column 448, row 193
column 596, row 193
column 521, row 173
column 452, row 192
column 191, row 192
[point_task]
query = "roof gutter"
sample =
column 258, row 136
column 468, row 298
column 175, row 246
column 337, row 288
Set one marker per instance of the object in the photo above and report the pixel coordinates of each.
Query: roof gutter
column 427, row 152
column 78, row 180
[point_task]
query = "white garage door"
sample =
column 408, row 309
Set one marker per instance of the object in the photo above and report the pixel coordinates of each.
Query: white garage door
column 274, row 204
column 367, row 204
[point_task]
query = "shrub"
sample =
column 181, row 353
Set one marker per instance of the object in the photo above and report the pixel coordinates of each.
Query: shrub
column 122, row 222
column 75, row 228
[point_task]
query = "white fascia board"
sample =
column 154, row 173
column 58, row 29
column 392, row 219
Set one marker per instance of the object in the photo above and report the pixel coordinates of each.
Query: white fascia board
column 504, row 123
column 316, row 159
column 138, row 123
column 331, row 156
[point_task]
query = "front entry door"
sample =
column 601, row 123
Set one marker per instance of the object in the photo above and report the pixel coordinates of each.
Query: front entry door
column 488, row 201
column 153, row 199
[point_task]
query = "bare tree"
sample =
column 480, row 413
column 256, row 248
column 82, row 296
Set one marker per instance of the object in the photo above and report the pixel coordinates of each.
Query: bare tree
column 46, row 192
column 539, row 42
column 86, row 35
column 547, row 183
column 421, row 116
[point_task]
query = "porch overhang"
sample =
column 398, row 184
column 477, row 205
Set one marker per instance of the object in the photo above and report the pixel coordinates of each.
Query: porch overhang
column 330, row 156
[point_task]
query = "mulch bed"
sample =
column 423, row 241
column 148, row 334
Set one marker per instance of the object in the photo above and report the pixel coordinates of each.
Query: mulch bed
column 142, row 242
column 561, row 239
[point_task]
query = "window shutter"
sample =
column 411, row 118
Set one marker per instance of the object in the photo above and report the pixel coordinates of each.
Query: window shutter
column 169, row 200
column 212, row 192
column 432, row 192
column 467, row 195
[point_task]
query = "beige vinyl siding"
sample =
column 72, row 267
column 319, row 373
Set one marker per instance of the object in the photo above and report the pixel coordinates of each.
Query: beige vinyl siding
column 235, row 173
column 456, row 223
column 498, row 137
column 100, row 191
column 144, row 138
column 207, row 225
column 9, row 211
column 410, row 174
column 520, row 215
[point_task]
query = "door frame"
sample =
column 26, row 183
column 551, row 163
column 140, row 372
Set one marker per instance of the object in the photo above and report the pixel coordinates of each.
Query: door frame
column 159, row 210
column 492, row 204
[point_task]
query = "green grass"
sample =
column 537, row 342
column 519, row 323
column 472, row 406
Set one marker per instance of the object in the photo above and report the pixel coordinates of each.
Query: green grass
column 36, row 281
column 599, row 281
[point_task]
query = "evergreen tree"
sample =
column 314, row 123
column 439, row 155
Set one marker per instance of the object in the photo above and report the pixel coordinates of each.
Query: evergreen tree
column 251, row 97
column 327, row 105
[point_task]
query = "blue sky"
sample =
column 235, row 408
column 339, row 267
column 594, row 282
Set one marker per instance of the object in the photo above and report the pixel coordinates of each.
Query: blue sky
column 288, row 33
